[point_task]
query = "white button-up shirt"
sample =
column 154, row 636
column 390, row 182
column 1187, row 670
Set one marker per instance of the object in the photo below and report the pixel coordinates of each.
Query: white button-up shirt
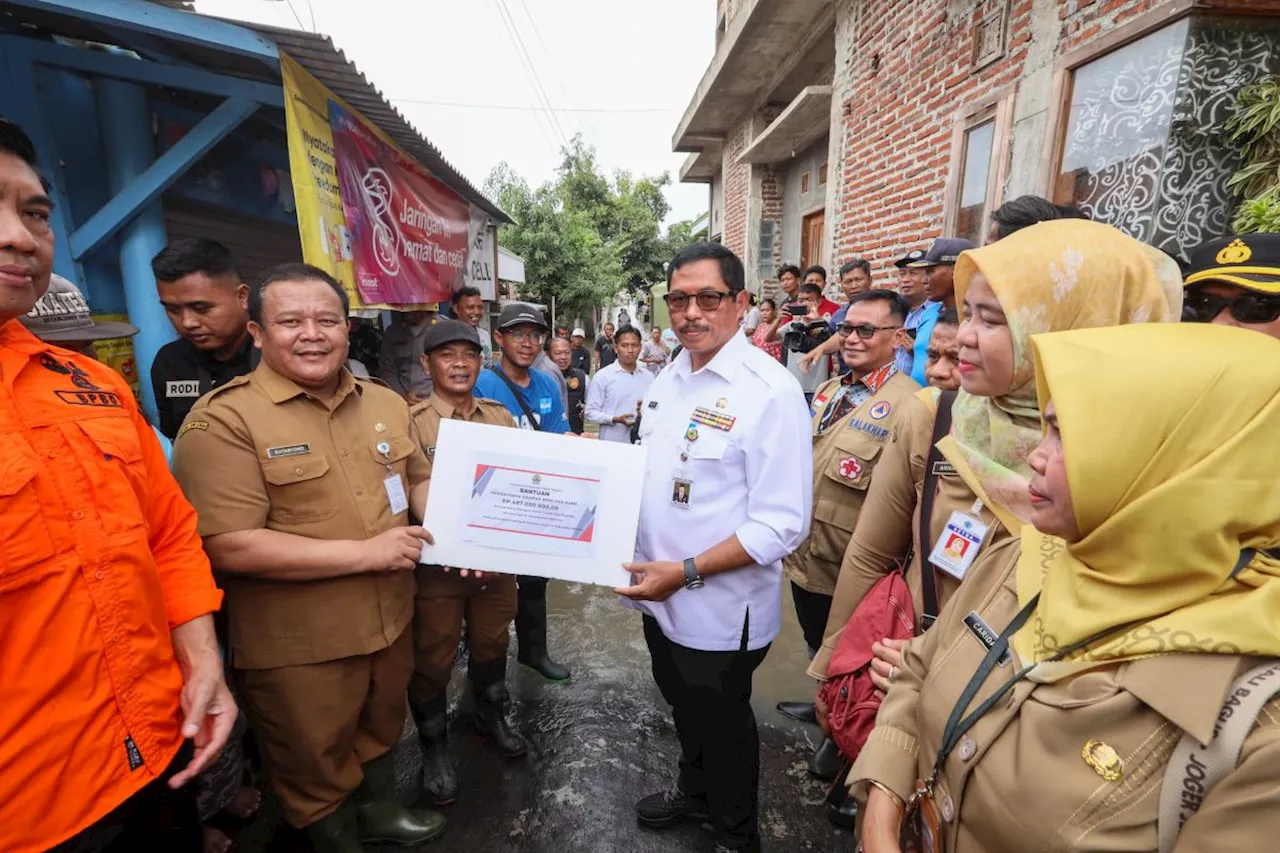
column 614, row 391
column 744, row 427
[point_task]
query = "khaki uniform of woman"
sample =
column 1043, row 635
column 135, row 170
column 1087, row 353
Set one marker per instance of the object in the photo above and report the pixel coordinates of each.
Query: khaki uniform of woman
column 1166, row 495
column 1068, row 274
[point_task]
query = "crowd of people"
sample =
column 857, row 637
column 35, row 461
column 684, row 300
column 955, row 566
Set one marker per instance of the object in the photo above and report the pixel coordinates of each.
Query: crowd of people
column 1020, row 498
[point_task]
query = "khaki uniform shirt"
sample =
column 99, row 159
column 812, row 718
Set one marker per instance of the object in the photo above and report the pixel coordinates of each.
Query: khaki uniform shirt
column 427, row 415
column 845, row 457
column 260, row 452
column 1018, row 780
column 889, row 526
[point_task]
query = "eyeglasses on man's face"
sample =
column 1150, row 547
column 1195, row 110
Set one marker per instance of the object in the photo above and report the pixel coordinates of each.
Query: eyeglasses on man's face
column 1250, row 308
column 708, row 300
column 865, row 331
column 524, row 336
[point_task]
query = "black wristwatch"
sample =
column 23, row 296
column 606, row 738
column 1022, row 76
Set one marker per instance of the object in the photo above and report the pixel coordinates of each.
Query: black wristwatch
column 692, row 580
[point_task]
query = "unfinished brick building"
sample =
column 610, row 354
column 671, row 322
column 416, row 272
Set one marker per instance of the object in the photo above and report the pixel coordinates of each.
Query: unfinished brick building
column 833, row 129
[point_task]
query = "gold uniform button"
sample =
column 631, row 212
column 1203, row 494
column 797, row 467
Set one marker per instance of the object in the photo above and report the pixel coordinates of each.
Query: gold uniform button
column 1104, row 760
column 298, row 471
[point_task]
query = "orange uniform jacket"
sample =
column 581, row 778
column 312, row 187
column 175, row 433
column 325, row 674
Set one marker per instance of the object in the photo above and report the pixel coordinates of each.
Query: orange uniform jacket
column 99, row 560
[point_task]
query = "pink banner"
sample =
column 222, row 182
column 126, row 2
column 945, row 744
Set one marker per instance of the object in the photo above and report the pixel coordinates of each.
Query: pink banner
column 408, row 230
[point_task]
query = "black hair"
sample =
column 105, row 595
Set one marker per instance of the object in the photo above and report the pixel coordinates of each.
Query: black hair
column 898, row 307
column 948, row 317
column 1028, row 210
column 754, row 300
column 462, row 293
column 855, row 264
column 772, row 304
column 14, row 140
column 292, row 271
column 628, row 330
column 789, row 268
column 731, row 271
column 819, row 269
column 191, row 255
column 811, row 288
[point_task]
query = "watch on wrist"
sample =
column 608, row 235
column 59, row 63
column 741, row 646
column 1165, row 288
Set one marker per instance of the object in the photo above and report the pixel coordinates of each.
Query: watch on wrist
column 692, row 580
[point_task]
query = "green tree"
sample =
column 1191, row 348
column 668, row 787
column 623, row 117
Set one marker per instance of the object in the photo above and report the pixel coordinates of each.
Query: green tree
column 584, row 237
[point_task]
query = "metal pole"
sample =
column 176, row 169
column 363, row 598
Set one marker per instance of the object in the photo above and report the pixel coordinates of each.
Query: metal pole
column 125, row 119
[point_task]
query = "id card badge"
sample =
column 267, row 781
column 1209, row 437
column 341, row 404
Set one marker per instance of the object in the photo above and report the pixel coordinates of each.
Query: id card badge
column 681, row 489
column 958, row 546
column 395, row 494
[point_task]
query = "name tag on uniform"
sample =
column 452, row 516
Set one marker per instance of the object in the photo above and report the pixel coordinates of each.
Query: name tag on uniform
column 958, row 546
column 395, row 494
column 288, row 450
column 182, row 388
column 985, row 635
column 943, row 468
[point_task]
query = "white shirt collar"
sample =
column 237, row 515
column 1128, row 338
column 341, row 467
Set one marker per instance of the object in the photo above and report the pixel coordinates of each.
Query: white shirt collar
column 726, row 363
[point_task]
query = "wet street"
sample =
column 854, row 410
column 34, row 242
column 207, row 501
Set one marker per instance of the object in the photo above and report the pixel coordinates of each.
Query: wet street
column 602, row 741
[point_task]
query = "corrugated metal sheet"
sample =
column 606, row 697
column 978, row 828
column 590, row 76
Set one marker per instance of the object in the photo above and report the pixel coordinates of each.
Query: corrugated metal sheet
column 314, row 52
column 330, row 66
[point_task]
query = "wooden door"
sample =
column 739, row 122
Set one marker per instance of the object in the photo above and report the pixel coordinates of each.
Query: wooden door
column 811, row 239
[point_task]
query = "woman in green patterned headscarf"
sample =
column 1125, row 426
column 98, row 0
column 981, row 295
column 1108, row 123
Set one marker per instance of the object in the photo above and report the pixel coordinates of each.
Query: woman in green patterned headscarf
column 1051, row 277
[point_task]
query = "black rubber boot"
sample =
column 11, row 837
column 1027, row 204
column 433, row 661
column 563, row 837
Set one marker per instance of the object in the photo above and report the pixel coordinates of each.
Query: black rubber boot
column 531, row 633
column 488, row 682
column 826, row 761
column 337, row 832
column 382, row 820
column 439, row 778
column 802, row 711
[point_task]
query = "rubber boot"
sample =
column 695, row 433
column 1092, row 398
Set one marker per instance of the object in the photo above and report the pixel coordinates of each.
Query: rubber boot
column 488, row 682
column 382, row 820
column 439, row 778
column 531, row 634
column 336, row 833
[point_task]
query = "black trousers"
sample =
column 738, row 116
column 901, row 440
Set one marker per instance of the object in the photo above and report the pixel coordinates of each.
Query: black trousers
column 154, row 819
column 710, row 698
column 812, row 610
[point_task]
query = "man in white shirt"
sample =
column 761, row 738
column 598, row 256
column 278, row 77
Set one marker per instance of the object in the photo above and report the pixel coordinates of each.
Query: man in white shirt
column 727, row 494
column 614, row 396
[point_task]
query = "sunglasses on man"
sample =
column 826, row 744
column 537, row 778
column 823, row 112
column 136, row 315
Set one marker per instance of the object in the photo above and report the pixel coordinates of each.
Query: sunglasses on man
column 708, row 300
column 1252, row 308
column 864, row 331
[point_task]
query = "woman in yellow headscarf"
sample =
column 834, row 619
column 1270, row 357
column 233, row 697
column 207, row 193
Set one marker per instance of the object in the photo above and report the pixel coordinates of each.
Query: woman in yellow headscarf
column 1151, row 585
column 1055, row 276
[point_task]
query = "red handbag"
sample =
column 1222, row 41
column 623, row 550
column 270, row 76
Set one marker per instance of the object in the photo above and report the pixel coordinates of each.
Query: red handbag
column 885, row 611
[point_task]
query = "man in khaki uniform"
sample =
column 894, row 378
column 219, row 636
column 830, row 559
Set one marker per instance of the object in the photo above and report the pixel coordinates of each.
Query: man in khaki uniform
column 303, row 477
column 452, row 359
column 854, row 417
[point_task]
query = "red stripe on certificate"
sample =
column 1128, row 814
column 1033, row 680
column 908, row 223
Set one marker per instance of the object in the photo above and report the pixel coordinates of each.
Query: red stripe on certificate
column 586, row 534
column 481, row 468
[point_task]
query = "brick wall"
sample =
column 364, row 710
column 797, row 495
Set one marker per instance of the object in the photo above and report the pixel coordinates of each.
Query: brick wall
column 737, row 190
column 771, row 181
column 903, row 70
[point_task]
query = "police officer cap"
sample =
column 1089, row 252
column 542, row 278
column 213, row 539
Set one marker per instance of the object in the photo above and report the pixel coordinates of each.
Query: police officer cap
column 450, row 332
column 520, row 314
column 1251, row 261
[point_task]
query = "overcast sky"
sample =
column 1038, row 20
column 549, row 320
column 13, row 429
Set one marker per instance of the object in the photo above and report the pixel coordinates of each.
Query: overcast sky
column 622, row 72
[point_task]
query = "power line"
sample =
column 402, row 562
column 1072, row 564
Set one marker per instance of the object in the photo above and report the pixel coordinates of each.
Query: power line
column 554, row 73
column 551, row 145
column 540, row 90
column 301, row 25
column 538, row 109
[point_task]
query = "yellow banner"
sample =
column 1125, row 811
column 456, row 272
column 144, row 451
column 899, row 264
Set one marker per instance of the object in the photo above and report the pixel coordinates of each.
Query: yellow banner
column 322, row 225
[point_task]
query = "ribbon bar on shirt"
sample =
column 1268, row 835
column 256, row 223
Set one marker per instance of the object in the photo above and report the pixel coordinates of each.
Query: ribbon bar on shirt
column 713, row 419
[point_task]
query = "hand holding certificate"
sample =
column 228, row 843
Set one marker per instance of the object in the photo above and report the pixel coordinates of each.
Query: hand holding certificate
column 522, row 502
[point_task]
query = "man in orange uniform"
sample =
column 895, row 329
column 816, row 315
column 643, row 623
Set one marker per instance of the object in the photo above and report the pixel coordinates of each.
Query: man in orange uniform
column 108, row 660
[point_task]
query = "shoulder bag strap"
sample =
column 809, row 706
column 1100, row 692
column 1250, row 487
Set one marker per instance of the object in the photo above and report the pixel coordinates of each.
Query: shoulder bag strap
column 928, row 579
column 515, row 389
column 1194, row 768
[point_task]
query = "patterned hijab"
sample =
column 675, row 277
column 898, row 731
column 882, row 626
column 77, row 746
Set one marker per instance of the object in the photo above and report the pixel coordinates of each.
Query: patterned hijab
column 1051, row 277
column 1168, row 435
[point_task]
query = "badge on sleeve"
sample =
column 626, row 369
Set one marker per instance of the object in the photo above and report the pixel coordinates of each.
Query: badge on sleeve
column 958, row 546
column 880, row 410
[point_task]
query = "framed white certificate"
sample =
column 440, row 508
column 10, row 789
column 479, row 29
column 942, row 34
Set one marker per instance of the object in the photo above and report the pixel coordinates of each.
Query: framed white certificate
column 531, row 503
